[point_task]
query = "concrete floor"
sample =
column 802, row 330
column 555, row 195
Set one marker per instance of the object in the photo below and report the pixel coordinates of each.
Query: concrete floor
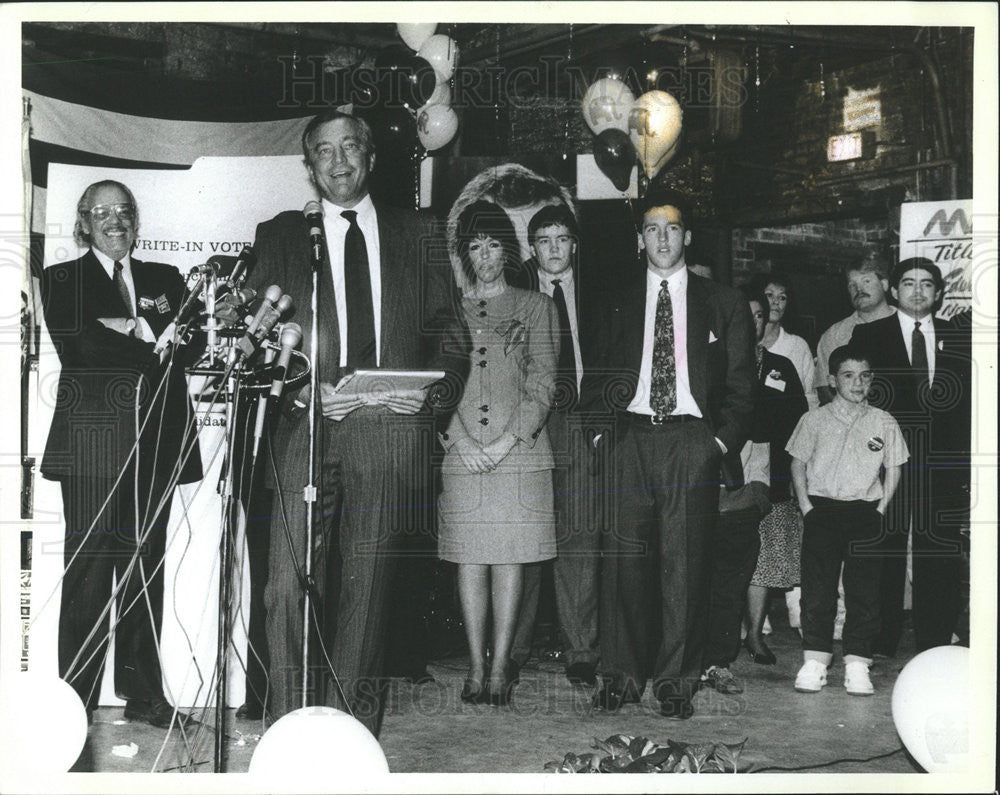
column 428, row 729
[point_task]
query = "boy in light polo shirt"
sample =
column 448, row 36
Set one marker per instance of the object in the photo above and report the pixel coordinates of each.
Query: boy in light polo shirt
column 837, row 452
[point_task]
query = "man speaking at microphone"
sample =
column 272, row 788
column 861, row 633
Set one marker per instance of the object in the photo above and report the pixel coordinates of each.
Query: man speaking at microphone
column 382, row 304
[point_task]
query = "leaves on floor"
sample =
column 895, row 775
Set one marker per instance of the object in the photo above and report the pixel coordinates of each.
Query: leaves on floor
column 623, row 753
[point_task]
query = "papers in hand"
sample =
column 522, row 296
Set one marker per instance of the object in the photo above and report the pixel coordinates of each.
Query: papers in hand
column 369, row 384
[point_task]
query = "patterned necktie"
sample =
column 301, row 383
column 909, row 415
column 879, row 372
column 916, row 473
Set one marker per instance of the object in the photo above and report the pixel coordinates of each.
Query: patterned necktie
column 566, row 390
column 358, row 295
column 918, row 354
column 123, row 288
column 663, row 386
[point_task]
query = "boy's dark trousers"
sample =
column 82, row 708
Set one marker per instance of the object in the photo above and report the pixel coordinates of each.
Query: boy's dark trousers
column 833, row 528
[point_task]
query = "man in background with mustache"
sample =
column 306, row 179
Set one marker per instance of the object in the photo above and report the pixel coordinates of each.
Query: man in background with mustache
column 868, row 287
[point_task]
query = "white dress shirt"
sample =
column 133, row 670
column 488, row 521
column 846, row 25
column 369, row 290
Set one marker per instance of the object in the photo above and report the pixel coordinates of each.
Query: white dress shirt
column 335, row 226
column 109, row 266
column 545, row 285
column 906, row 323
column 677, row 285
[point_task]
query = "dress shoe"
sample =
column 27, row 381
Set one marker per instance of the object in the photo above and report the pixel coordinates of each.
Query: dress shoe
column 677, row 708
column 722, row 680
column 582, row 673
column 501, row 696
column 156, row 713
column 610, row 697
column 249, row 710
column 763, row 657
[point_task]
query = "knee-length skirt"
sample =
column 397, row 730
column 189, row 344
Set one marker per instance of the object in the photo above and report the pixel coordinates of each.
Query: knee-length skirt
column 496, row 517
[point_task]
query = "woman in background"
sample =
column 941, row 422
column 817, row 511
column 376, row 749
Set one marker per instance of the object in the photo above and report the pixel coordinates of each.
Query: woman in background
column 778, row 290
column 778, row 404
column 781, row 342
column 495, row 509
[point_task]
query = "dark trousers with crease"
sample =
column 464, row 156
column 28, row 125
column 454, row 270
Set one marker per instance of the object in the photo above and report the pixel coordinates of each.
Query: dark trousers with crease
column 113, row 547
column 369, row 462
column 654, row 581
column 839, row 533
column 575, row 569
column 733, row 550
column 931, row 501
column 258, row 534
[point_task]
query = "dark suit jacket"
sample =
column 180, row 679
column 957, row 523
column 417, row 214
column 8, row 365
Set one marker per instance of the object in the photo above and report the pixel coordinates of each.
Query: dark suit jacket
column 944, row 410
column 420, row 326
column 588, row 307
column 93, row 427
column 721, row 371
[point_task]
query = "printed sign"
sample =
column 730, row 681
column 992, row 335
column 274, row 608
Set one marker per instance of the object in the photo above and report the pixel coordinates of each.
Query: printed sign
column 941, row 232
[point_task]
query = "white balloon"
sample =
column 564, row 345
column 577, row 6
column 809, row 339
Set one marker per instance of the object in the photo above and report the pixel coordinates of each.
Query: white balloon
column 607, row 104
column 436, row 126
column 317, row 741
column 441, row 95
column 441, row 52
column 415, row 34
column 44, row 725
column 654, row 128
column 930, row 707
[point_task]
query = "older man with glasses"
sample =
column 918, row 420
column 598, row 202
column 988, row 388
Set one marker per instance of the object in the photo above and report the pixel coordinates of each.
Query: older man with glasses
column 121, row 439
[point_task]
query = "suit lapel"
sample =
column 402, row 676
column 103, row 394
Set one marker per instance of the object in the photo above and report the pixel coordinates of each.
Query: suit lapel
column 391, row 244
column 328, row 323
column 106, row 295
column 634, row 322
column 899, row 353
column 697, row 339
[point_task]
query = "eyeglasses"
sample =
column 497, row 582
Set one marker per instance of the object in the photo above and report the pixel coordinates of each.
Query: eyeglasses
column 101, row 212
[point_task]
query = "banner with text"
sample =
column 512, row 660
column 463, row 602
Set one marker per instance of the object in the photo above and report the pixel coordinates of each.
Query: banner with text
column 942, row 232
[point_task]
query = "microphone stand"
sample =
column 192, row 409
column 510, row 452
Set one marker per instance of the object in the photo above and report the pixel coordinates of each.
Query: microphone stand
column 310, row 491
column 230, row 518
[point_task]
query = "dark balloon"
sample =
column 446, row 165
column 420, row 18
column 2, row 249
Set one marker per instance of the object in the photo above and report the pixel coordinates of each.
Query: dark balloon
column 615, row 156
column 395, row 132
column 402, row 78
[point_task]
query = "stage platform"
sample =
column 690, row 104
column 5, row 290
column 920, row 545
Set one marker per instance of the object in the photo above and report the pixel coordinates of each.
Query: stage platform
column 427, row 728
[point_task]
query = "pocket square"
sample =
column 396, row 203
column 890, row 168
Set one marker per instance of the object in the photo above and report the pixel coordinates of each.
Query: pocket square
column 711, row 337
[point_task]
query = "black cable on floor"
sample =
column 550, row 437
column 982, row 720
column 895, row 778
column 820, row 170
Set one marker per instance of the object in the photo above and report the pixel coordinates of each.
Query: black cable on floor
column 828, row 764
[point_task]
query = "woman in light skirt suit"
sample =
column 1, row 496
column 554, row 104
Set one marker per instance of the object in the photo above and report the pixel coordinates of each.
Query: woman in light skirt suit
column 496, row 509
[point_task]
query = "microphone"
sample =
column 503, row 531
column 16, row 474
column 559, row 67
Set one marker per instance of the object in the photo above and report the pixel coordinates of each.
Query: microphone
column 313, row 212
column 291, row 336
column 262, row 404
column 271, row 294
column 191, row 305
column 227, row 308
column 243, row 264
column 271, row 318
column 265, row 320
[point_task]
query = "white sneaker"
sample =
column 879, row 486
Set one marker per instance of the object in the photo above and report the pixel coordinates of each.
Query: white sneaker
column 811, row 677
column 856, row 679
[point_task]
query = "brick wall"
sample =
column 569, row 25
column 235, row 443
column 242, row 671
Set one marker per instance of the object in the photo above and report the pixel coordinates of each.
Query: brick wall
column 827, row 246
